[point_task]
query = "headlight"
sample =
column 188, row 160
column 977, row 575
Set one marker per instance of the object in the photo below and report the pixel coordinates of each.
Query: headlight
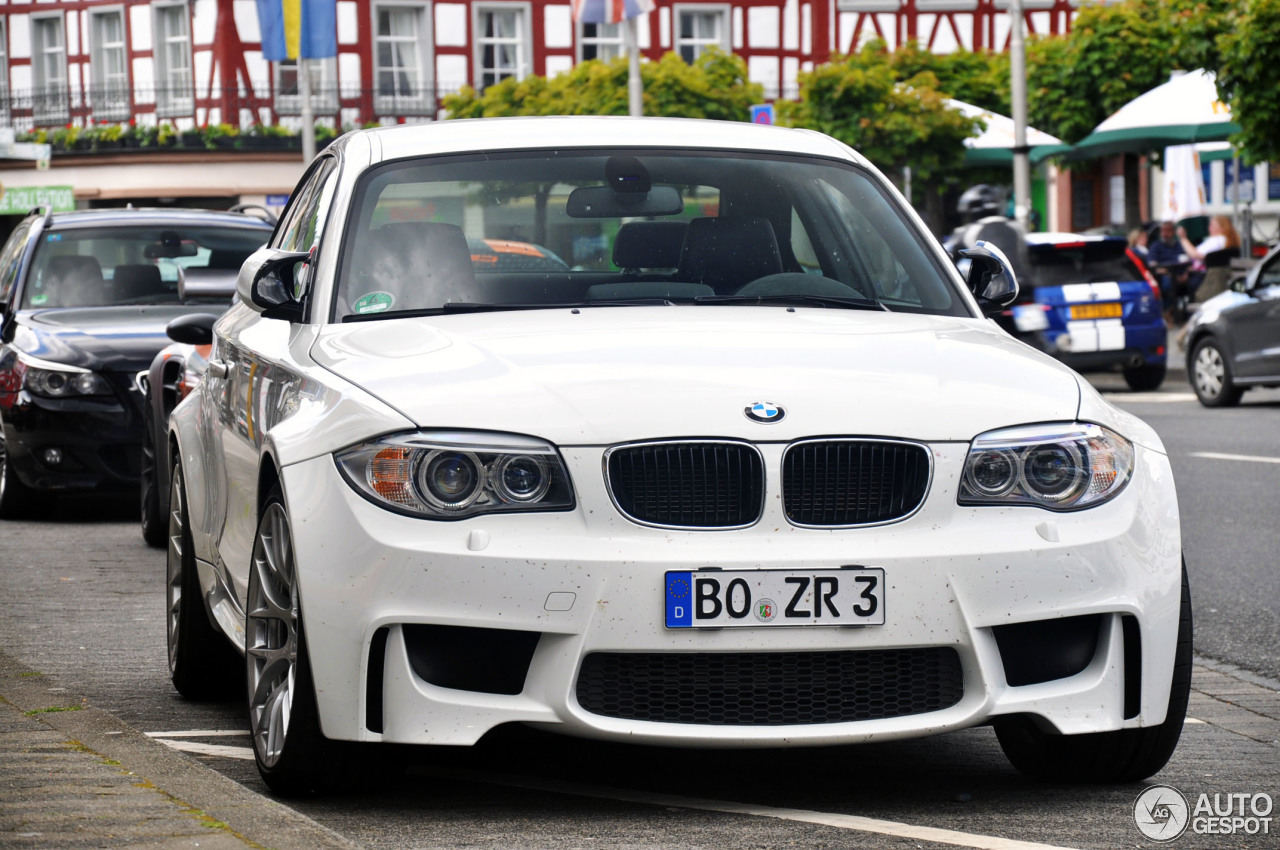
column 1061, row 466
column 461, row 474
column 64, row 383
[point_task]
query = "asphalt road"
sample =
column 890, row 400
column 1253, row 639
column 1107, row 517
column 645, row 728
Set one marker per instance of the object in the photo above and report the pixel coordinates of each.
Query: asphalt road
column 81, row 598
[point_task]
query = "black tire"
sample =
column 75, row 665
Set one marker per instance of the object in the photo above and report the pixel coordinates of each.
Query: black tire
column 17, row 500
column 1146, row 377
column 155, row 526
column 1126, row 755
column 294, row 758
column 1209, row 371
column 203, row 665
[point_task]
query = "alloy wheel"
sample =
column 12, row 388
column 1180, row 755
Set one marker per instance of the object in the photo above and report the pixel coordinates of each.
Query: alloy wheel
column 1210, row 371
column 173, row 568
column 271, row 640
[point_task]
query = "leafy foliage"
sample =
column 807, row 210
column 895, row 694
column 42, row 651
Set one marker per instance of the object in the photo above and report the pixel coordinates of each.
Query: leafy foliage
column 1249, row 77
column 714, row 86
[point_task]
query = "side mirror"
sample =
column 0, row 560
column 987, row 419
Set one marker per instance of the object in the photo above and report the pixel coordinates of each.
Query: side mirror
column 990, row 276
column 268, row 283
column 192, row 329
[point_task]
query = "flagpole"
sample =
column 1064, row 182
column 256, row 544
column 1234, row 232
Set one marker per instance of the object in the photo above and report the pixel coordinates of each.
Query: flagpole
column 308, row 118
column 635, row 86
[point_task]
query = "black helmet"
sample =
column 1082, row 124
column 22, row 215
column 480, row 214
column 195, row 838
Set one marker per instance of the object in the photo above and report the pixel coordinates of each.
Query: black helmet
column 980, row 201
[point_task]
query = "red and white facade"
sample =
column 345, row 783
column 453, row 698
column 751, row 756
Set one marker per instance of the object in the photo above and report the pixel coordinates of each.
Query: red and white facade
column 197, row 62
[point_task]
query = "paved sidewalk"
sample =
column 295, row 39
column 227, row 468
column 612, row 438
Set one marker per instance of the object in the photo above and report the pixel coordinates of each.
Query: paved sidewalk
column 72, row 775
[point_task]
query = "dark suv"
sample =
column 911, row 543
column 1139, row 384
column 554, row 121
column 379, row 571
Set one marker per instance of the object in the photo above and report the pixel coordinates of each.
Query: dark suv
column 84, row 300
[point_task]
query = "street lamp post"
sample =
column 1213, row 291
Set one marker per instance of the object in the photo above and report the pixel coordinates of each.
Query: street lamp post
column 1018, row 89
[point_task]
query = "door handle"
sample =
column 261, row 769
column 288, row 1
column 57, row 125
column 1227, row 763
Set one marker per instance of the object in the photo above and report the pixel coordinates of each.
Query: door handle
column 219, row 369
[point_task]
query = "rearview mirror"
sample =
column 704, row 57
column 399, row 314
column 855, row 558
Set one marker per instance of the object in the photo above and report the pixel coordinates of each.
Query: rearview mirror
column 990, row 276
column 605, row 202
column 268, row 283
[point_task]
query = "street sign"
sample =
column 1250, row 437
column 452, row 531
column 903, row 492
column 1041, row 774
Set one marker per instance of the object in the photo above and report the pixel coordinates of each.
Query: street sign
column 20, row 200
column 762, row 113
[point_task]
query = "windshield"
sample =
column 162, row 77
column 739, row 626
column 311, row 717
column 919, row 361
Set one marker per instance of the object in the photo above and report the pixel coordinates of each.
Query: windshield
column 108, row 266
column 530, row 229
column 1081, row 262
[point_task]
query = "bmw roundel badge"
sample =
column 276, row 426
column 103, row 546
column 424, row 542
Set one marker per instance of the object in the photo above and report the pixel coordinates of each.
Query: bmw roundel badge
column 765, row 411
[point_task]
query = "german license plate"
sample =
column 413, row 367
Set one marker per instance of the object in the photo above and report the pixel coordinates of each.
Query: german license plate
column 721, row 599
column 1096, row 311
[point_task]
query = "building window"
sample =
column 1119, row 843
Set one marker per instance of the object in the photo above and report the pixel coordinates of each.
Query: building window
column 501, row 37
column 109, row 95
column 174, row 94
column 324, row 86
column 601, row 41
column 401, row 61
column 701, row 28
column 49, row 69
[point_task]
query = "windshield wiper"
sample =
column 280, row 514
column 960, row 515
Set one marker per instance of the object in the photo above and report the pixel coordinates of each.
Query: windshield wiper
column 800, row 300
column 483, row 307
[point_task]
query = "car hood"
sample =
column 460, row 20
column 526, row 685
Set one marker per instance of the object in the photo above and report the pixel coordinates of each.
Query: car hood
column 117, row 339
column 603, row 375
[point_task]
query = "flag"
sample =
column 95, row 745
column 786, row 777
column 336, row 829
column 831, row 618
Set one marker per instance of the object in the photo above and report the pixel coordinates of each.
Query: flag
column 298, row 29
column 609, row 11
column 1183, row 183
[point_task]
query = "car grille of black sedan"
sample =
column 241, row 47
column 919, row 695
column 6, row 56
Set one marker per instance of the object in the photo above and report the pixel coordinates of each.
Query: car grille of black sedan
column 853, row 482
column 688, row 485
column 770, row 688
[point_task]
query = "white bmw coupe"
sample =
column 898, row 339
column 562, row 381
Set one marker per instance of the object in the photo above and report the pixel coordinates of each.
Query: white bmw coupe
column 752, row 469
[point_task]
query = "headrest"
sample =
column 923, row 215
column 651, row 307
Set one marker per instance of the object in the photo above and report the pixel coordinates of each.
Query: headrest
column 727, row 253
column 649, row 244
column 139, row 280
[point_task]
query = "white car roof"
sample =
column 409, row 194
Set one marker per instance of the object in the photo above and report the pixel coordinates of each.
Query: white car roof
column 468, row 135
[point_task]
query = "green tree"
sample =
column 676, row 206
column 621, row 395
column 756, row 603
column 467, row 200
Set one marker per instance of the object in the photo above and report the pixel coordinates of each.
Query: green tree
column 859, row 100
column 1249, row 77
column 977, row 77
column 714, row 86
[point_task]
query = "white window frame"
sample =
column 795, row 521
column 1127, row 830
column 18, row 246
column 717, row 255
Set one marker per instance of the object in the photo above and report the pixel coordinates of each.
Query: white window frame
column 51, row 97
column 324, row 86
column 175, row 86
column 109, row 95
column 699, row 43
column 609, row 45
column 522, row 41
column 423, row 101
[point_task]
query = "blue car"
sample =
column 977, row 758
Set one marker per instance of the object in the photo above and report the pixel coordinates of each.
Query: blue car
column 1091, row 303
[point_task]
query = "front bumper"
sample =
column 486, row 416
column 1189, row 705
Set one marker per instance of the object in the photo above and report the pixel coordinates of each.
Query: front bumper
column 589, row 581
column 99, row 440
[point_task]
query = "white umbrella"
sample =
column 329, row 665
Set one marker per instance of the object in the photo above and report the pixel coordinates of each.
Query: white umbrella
column 994, row 146
column 1184, row 110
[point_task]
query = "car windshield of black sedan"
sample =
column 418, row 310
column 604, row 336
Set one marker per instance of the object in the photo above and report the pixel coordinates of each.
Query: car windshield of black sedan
column 609, row 228
column 108, row 266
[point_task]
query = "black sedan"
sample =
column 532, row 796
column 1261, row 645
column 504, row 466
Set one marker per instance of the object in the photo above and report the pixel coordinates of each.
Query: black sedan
column 84, row 300
column 1233, row 340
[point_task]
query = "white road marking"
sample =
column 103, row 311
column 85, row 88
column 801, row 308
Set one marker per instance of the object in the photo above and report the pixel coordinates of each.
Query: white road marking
column 1248, row 458
column 1193, row 720
column 839, row 821
column 243, row 753
column 201, row 733
column 1148, row 398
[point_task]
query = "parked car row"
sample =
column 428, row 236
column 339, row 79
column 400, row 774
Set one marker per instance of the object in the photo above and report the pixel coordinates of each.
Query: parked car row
column 750, row 468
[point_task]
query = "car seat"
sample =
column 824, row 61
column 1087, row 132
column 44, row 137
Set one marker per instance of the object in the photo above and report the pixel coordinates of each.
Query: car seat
column 649, row 245
column 729, row 252
column 74, row 281
column 137, row 282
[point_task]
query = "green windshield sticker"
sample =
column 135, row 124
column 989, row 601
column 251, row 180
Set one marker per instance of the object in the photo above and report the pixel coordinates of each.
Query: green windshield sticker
column 37, row 300
column 374, row 302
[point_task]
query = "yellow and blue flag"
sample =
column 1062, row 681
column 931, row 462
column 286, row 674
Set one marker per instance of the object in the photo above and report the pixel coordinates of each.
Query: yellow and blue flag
column 610, row 11
column 298, row 29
